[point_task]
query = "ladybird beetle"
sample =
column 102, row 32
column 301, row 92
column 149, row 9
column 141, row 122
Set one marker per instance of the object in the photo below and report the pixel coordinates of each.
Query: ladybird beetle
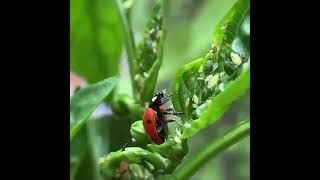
column 155, row 122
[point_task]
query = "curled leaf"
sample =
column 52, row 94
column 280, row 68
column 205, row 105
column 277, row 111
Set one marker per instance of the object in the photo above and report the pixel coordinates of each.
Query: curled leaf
column 206, row 87
column 149, row 54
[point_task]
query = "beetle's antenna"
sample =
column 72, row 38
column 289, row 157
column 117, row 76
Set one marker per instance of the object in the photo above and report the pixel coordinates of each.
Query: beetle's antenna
column 165, row 100
column 170, row 95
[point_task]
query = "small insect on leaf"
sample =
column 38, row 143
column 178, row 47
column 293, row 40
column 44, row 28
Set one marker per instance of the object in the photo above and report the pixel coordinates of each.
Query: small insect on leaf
column 212, row 80
column 236, row 59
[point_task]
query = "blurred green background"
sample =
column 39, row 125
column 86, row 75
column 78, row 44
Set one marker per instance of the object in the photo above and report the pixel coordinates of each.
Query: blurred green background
column 97, row 52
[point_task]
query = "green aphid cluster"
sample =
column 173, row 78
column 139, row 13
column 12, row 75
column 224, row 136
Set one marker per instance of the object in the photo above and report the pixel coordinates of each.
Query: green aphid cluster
column 235, row 48
column 150, row 44
column 221, row 65
column 147, row 50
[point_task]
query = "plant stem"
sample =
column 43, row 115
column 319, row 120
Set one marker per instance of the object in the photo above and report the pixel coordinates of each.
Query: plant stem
column 128, row 40
column 189, row 167
column 132, row 155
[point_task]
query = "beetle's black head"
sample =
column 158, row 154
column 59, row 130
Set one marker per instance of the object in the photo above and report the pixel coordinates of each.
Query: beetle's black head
column 157, row 99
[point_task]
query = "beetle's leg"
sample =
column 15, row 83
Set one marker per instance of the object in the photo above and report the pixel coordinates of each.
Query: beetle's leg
column 168, row 111
column 124, row 146
column 173, row 120
column 177, row 113
column 173, row 113
column 159, row 128
column 162, row 132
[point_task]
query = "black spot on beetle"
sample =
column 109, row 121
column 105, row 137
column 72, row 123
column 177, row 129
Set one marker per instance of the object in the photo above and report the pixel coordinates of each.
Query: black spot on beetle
column 149, row 121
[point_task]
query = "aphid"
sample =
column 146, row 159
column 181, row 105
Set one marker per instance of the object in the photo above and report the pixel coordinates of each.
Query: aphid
column 212, row 80
column 235, row 58
column 195, row 99
column 200, row 69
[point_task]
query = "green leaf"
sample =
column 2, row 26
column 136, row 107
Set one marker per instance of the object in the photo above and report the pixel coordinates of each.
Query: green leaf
column 235, row 135
column 150, row 53
column 95, row 39
column 236, row 23
column 138, row 134
column 217, row 107
column 204, row 88
column 85, row 101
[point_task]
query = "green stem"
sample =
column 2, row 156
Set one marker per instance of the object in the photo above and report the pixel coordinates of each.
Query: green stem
column 128, row 40
column 74, row 170
column 189, row 167
column 137, row 155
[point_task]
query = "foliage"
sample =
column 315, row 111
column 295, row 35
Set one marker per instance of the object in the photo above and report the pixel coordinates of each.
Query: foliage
column 203, row 90
column 85, row 101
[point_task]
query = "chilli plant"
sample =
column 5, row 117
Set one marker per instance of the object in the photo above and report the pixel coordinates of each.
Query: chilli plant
column 203, row 90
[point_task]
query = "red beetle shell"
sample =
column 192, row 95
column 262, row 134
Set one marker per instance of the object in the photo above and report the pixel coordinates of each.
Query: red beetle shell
column 150, row 124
